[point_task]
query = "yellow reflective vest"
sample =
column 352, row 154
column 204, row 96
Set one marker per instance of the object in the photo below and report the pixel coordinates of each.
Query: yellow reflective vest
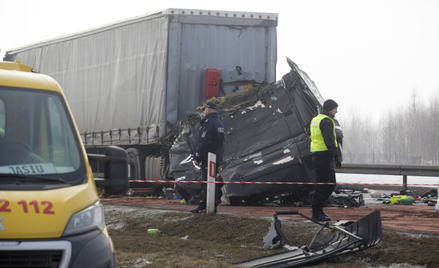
column 317, row 141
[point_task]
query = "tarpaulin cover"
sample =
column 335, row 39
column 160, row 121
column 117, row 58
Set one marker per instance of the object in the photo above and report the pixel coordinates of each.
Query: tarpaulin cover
column 129, row 81
column 117, row 75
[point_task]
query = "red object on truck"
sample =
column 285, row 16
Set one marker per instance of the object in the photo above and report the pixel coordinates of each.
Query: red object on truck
column 212, row 83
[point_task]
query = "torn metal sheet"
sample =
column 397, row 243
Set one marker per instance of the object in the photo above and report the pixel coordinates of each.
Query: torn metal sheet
column 266, row 140
column 349, row 237
column 272, row 239
column 346, row 200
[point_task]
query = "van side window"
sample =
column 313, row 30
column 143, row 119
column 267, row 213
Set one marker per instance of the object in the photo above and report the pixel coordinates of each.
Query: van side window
column 2, row 119
column 64, row 149
column 55, row 131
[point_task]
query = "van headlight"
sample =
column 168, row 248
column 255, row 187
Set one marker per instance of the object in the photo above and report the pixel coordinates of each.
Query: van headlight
column 91, row 218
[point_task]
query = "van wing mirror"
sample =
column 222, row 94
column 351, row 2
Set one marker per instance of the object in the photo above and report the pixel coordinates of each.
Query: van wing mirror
column 115, row 164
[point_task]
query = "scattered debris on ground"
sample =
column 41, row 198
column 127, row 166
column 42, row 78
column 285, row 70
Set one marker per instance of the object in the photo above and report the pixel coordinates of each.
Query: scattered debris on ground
column 200, row 240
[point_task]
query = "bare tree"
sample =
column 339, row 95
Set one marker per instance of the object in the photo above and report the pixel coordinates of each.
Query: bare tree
column 407, row 136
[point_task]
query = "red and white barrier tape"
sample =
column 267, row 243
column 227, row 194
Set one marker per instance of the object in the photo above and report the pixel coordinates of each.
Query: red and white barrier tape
column 283, row 183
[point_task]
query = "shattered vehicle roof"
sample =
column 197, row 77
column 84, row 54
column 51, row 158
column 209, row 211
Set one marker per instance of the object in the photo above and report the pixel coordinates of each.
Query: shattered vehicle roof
column 266, row 140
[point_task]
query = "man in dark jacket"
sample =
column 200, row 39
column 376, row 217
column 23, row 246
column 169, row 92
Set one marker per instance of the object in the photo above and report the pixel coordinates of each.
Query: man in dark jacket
column 323, row 151
column 210, row 140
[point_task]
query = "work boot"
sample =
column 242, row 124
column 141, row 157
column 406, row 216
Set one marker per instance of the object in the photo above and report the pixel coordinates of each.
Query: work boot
column 320, row 217
column 197, row 210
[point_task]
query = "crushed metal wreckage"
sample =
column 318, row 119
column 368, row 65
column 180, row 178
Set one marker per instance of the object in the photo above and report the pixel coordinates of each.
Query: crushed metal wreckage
column 267, row 140
column 344, row 196
column 349, row 237
column 430, row 197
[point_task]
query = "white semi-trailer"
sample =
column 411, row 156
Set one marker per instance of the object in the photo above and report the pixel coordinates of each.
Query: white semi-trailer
column 129, row 82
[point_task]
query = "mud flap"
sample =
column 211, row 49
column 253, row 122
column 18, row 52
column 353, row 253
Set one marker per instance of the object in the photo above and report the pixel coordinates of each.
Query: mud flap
column 349, row 237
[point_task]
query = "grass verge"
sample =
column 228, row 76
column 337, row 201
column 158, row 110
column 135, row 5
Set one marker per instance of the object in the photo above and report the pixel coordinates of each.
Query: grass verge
column 200, row 240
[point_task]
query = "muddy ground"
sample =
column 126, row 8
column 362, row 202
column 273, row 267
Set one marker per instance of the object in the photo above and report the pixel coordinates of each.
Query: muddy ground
column 235, row 233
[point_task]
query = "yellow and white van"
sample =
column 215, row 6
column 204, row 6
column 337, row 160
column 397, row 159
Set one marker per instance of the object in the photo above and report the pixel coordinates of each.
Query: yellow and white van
column 50, row 213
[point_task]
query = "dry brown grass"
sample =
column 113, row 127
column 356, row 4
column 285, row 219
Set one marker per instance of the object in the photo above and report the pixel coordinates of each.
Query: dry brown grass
column 200, row 240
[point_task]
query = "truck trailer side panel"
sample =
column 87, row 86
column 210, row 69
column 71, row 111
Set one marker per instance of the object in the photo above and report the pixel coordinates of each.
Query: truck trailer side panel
column 242, row 49
column 128, row 80
column 115, row 78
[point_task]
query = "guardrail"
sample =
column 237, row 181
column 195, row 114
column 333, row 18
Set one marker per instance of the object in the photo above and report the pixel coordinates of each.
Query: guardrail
column 403, row 170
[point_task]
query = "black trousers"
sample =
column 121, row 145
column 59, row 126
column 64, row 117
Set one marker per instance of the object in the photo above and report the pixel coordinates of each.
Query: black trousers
column 203, row 200
column 324, row 172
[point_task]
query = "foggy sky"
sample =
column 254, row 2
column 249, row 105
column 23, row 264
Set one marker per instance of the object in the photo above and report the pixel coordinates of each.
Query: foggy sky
column 369, row 56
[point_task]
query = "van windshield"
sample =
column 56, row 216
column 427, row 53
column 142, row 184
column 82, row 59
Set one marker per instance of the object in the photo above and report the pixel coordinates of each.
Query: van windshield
column 37, row 137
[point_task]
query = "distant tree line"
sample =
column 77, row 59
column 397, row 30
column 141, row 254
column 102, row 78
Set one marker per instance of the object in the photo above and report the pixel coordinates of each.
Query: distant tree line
column 407, row 136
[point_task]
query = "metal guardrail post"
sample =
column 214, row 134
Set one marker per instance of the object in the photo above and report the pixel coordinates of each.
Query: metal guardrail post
column 437, row 203
column 404, row 182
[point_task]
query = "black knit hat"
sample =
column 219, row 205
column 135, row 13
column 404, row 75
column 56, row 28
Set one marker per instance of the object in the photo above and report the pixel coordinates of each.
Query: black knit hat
column 210, row 105
column 329, row 104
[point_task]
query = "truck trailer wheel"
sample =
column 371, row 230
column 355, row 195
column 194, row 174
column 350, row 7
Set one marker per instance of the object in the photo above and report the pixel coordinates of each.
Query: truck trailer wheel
column 134, row 164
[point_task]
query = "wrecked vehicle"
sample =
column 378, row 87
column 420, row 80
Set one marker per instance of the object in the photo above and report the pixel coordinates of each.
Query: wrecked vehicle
column 348, row 237
column 267, row 140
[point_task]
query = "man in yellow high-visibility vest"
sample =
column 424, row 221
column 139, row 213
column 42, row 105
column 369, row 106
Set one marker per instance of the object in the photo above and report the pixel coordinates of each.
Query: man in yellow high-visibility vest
column 323, row 151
